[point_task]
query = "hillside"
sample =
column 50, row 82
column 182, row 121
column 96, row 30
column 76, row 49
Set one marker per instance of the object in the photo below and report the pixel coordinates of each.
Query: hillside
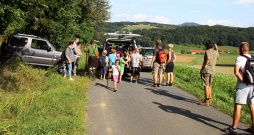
column 139, row 26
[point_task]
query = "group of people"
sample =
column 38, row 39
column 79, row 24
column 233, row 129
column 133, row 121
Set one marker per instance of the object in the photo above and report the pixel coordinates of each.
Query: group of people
column 114, row 63
column 243, row 92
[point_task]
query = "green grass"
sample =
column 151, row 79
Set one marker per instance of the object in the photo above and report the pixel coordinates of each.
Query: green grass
column 223, row 87
column 140, row 26
column 38, row 101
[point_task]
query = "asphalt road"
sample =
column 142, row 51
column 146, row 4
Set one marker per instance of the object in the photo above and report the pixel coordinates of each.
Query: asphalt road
column 139, row 109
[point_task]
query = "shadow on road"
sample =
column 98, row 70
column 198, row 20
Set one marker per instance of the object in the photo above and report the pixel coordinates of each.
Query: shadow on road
column 189, row 114
column 104, row 86
column 171, row 95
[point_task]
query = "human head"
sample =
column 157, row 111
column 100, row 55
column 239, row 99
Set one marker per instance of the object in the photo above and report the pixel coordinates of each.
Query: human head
column 121, row 55
column 104, row 52
column 76, row 40
column 117, row 61
column 244, row 48
column 158, row 42
column 209, row 44
column 78, row 44
column 113, row 50
column 70, row 44
column 170, row 46
column 92, row 42
column 137, row 50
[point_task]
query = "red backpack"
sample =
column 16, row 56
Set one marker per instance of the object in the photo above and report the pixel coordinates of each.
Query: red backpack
column 161, row 56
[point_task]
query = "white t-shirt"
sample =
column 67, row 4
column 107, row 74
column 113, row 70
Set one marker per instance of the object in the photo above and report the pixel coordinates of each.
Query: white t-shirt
column 241, row 61
column 115, row 70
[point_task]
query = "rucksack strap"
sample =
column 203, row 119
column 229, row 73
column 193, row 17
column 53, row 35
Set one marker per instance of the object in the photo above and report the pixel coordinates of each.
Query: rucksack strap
column 251, row 56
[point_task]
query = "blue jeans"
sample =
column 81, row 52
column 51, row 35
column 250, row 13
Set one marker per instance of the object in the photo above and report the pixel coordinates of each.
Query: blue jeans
column 68, row 69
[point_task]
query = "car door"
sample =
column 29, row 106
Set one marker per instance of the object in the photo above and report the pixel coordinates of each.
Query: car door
column 41, row 53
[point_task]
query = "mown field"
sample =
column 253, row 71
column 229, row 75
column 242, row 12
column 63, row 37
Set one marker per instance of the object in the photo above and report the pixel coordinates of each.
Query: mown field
column 140, row 26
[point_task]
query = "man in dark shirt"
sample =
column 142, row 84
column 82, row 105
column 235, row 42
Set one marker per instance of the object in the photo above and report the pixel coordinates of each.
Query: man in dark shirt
column 157, row 67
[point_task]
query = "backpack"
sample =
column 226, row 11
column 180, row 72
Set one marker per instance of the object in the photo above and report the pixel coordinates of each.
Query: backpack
column 248, row 74
column 103, row 61
column 161, row 56
column 63, row 57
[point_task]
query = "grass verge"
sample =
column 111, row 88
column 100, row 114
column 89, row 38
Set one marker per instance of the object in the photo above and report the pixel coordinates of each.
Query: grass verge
column 223, row 88
column 38, row 101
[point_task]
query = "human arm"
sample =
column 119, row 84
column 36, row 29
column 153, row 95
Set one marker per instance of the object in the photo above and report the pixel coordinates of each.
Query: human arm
column 237, row 72
column 217, row 50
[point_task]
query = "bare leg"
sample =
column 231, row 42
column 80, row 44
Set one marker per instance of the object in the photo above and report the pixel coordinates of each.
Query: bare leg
column 251, row 107
column 237, row 115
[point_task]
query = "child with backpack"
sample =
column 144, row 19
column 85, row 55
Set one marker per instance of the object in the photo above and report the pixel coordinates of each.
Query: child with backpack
column 103, row 65
column 115, row 69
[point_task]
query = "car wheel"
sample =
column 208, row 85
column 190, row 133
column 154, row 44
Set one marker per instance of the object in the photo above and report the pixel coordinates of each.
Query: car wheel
column 61, row 67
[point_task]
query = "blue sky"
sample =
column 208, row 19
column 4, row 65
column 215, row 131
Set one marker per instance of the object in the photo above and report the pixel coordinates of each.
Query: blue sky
column 237, row 13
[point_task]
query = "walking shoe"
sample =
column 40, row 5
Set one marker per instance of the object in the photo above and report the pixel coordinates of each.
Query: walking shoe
column 230, row 130
column 71, row 79
column 136, row 81
column 204, row 103
column 158, row 85
column 170, row 84
column 155, row 85
column 130, row 81
column 115, row 90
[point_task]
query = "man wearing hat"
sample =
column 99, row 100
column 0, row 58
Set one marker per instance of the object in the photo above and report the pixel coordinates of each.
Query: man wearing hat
column 208, row 70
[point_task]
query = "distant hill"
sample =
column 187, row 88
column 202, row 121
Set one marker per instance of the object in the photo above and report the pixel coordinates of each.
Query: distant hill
column 190, row 24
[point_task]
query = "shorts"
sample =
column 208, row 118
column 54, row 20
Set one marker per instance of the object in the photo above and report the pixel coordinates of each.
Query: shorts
column 92, row 61
column 206, row 79
column 170, row 67
column 121, row 72
column 157, row 68
column 244, row 95
column 104, row 70
column 115, row 78
column 135, row 71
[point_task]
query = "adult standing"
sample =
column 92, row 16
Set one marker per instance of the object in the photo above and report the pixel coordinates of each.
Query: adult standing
column 208, row 70
column 75, row 43
column 92, row 51
column 244, row 92
column 136, row 60
column 70, row 58
column 77, row 57
column 171, row 57
column 156, row 65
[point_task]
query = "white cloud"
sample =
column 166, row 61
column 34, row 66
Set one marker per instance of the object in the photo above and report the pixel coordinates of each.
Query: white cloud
column 244, row 2
column 220, row 22
column 140, row 17
column 160, row 19
column 123, row 15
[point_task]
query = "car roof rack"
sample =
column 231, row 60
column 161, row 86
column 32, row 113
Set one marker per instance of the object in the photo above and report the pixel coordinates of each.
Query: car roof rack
column 119, row 35
column 28, row 35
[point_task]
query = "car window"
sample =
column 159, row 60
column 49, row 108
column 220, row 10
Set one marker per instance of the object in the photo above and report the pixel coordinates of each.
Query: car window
column 18, row 41
column 39, row 44
column 147, row 51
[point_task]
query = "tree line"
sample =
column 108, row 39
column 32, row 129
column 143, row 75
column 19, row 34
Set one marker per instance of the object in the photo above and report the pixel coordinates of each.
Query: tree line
column 187, row 35
column 59, row 21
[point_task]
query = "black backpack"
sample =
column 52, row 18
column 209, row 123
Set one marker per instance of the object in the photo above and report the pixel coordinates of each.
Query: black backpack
column 248, row 73
column 63, row 57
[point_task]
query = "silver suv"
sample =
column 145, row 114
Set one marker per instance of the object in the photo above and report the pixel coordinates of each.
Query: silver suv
column 32, row 50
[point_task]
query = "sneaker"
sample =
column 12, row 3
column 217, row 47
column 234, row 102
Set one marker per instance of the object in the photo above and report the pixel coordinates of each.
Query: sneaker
column 115, row 90
column 71, row 79
column 136, row 81
column 158, row 85
column 131, row 81
column 230, row 130
column 170, row 84
column 155, row 85
column 104, row 79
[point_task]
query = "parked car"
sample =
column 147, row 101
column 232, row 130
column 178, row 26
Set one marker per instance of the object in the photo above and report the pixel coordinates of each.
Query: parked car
column 121, row 42
column 32, row 50
column 147, row 55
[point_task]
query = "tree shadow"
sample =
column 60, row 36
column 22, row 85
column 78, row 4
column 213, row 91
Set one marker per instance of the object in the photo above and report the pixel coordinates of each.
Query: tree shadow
column 189, row 114
column 171, row 95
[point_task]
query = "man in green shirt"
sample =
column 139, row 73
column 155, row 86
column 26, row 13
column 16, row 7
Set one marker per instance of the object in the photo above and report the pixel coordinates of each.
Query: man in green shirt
column 92, row 51
column 208, row 70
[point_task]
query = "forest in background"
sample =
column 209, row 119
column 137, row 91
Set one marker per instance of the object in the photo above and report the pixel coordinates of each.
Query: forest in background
column 181, row 34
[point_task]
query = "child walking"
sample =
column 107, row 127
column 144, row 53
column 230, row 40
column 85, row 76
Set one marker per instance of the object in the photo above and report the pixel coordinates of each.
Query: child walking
column 115, row 69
